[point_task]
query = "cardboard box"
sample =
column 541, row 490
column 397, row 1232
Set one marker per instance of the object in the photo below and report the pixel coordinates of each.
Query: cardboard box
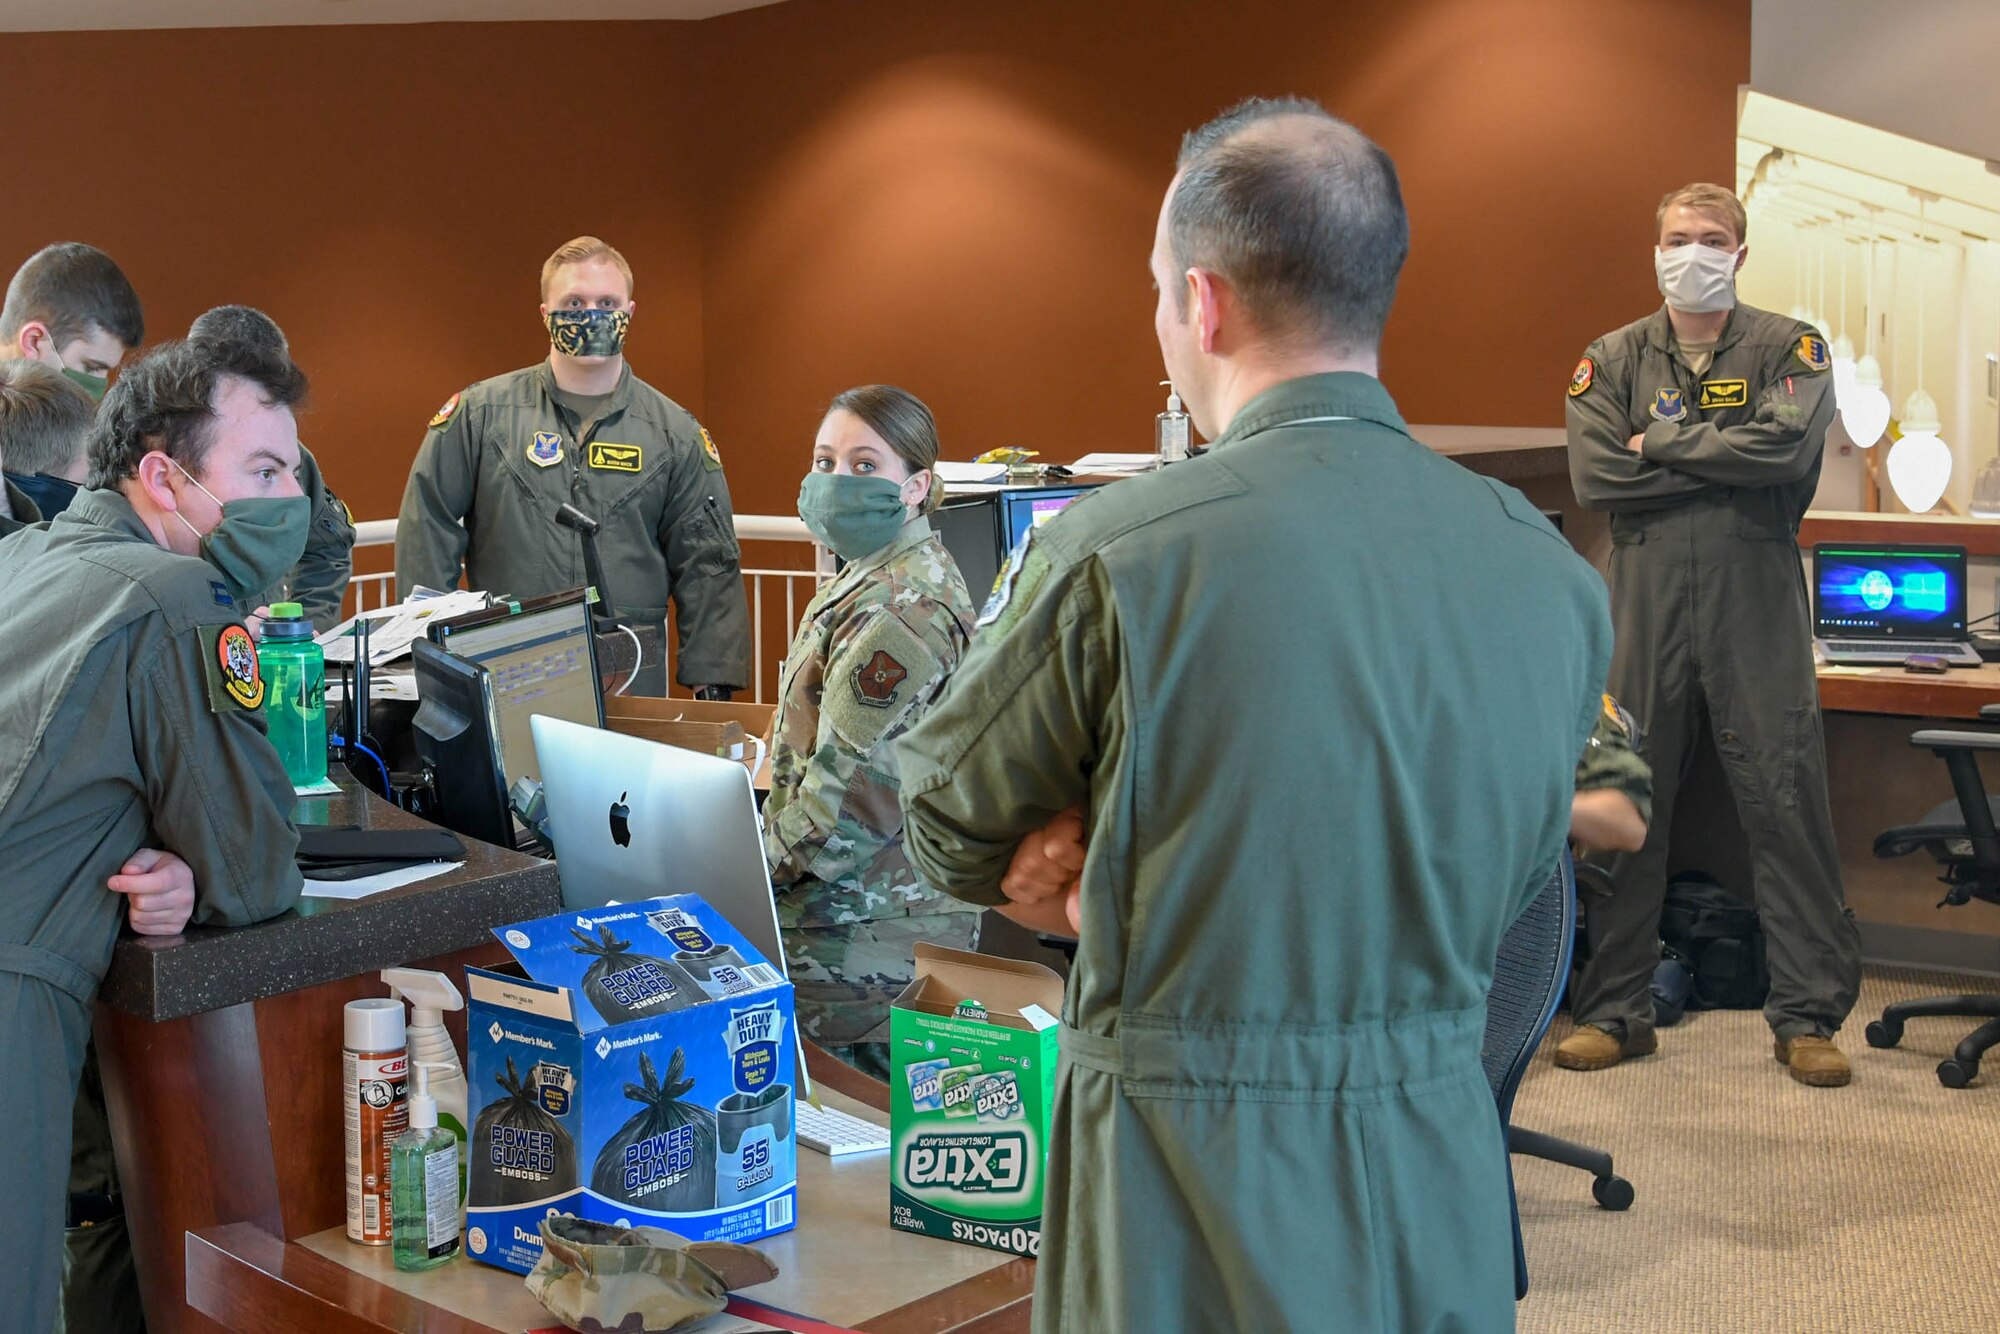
column 635, row 1064
column 732, row 730
column 972, row 1050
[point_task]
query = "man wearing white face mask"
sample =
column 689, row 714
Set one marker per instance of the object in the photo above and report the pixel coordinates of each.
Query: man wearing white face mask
column 136, row 780
column 1699, row 429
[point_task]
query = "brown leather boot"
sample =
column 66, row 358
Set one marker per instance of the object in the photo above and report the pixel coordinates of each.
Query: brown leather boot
column 1594, row 1048
column 1814, row 1060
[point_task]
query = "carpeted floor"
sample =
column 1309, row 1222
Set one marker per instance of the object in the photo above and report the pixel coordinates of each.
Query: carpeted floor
column 1763, row 1206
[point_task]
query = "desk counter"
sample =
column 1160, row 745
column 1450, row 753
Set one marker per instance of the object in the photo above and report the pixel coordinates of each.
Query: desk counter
column 1957, row 693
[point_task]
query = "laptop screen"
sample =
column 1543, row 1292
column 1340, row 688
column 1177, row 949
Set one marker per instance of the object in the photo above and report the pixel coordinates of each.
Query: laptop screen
column 1888, row 592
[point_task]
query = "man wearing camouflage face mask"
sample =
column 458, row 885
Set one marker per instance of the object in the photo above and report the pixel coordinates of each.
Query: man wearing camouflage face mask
column 503, row 456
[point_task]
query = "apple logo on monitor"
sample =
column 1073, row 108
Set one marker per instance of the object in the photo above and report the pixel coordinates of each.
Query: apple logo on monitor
column 621, row 825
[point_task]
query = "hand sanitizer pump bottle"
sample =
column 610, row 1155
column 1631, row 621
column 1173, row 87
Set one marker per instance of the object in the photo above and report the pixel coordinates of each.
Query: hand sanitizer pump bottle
column 1170, row 429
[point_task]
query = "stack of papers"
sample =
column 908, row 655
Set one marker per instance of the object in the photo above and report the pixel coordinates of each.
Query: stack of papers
column 1120, row 464
column 391, row 630
column 969, row 474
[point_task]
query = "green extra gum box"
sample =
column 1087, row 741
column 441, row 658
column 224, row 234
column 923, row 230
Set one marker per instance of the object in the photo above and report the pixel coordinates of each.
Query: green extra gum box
column 972, row 1043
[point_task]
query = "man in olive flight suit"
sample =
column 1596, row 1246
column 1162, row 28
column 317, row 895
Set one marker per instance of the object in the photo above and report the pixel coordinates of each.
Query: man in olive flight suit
column 1699, row 428
column 504, row 455
column 1320, row 696
column 132, row 742
column 319, row 581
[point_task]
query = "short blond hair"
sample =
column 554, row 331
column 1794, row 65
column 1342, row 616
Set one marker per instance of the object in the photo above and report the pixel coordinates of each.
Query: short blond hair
column 576, row 252
column 1712, row 200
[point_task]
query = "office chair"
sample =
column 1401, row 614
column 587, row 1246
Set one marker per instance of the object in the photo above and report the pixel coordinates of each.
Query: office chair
column 1961, row 836
column 1528, row 979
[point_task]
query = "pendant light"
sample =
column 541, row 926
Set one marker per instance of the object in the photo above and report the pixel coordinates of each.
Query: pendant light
column 1865, row 415
column 1843, row 347
column 1920, row 462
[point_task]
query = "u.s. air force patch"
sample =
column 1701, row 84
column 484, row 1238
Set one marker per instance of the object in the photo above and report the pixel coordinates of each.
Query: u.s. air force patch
column 1025, row 570
column 545, row 450
column 1812, row 352
column 229, row 663
column 875, row 680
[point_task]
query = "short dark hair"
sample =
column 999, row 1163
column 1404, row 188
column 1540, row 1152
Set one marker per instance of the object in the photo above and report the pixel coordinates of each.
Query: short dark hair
column 44, row 418
column 904, row 423
column 243, row 324
column 166, row 401
column 73, row 288
column 1300, row 213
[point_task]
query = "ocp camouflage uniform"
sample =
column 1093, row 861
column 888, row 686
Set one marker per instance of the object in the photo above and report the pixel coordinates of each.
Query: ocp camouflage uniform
column 874, row 650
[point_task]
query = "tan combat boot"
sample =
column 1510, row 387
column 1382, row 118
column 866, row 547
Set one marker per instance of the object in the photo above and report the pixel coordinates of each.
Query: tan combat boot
column 1814, row 1060
column 1594, row 1048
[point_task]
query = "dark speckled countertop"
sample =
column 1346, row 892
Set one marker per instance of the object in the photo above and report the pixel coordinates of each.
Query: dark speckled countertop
column 324, row 940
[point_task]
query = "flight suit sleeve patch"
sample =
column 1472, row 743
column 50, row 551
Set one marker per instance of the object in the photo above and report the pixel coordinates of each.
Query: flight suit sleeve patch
column 874, row 681
column 229, row 668
column 444, row 413
column 607, row 457
column 711, row 456
column 1579, row 380
column 1812, row 353
column 1616, row 717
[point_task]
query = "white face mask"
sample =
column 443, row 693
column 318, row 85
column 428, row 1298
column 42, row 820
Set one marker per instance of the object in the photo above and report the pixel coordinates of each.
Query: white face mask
column 1696, row 279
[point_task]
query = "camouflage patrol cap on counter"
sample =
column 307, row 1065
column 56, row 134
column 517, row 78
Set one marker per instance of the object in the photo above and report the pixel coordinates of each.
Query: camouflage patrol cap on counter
column 598, row 1278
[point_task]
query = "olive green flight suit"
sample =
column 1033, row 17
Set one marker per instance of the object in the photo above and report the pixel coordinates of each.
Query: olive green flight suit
column 118, row 730
column 1708, row 596
column 319, row 581
column 502, row 457
column 1320, row 694
column 21, row 510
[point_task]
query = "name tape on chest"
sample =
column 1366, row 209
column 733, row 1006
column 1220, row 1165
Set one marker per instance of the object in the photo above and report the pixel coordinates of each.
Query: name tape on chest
column 607, row 457
column 1725, row 394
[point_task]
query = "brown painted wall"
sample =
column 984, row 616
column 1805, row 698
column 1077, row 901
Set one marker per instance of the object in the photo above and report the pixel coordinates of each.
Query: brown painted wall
column 387, row 193
column 958, row 198
column 961, row 198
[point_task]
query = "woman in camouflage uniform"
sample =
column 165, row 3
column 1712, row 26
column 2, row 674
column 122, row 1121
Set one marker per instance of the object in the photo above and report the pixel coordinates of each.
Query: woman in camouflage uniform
column 872, row 653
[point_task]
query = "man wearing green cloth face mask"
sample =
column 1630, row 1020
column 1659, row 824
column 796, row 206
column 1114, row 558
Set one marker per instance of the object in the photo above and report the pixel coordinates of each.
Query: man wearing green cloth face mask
column 873, row 651
column 136, row 779
column 502, row 457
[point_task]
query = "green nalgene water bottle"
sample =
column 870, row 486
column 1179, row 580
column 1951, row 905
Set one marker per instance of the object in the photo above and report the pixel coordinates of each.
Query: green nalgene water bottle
column 294, row 672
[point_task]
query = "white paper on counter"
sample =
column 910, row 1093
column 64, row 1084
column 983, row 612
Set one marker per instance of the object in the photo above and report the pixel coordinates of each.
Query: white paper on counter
column 960, row 474
column 393, row 629
column 1115, row 463
column 325, row 787
column 376, row 884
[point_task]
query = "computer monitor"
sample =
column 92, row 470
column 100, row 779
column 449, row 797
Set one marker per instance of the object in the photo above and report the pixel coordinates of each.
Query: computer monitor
column 635, row 819
column 455, row 735
column 969, row 527
column 1891, row 591
column 540, row 659
column 1025, row 509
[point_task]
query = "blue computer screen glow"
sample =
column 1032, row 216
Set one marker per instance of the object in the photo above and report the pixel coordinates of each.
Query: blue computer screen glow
column 1025, row 509
column 1886, row 592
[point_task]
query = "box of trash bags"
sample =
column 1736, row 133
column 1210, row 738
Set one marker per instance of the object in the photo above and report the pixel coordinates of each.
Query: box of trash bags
column 635, row 1064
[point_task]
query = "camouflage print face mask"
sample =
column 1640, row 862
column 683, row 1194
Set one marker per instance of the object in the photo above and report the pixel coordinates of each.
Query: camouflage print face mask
column 588, row 333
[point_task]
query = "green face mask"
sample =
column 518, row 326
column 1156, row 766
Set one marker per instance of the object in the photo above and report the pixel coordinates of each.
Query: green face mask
column 256, row 544
column 94, row 385
column 856, row 516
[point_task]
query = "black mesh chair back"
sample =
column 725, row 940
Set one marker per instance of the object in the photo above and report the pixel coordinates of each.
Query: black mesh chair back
column 1528, row 978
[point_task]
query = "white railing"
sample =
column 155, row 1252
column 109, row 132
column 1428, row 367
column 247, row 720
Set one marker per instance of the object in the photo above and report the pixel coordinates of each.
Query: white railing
column 366, row 591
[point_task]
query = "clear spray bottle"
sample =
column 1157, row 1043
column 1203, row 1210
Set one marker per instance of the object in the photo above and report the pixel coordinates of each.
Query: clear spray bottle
column 1170, row 429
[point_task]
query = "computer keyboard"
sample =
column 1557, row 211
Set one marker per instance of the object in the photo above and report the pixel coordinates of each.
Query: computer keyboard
column 1898, row 650
column 836, row 1134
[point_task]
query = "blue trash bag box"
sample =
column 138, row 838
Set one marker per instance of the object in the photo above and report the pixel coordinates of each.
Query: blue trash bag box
column 635, row 1064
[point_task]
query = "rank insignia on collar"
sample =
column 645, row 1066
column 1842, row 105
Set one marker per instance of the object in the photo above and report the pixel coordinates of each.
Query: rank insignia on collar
column 875, row 681
column 1724, row 394
column 1586, row 370
column 545, row 450
column 444, row 413
column 1669, row 405
column 236, row 656
column 607, row 457
column 1812, row 351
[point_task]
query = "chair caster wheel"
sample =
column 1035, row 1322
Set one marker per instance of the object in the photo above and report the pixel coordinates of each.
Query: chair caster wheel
column 1957, row 1074
column 1881, row 1033
column 1614, row 1193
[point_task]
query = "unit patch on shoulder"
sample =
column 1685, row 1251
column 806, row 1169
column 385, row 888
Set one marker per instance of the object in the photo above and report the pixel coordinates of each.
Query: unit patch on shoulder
column 708, row 448
column 1586, row 370
column 1616, row 716
column 230, row 668
column 1812, row 351
column 608, row 457
column 875, row 680
column 1725, row 394
column 545, row 450
column 444, row 413
column 1669, row 405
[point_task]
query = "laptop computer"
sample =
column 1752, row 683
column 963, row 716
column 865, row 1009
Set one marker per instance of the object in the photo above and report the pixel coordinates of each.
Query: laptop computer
column 1875, row 605
column 633, row 819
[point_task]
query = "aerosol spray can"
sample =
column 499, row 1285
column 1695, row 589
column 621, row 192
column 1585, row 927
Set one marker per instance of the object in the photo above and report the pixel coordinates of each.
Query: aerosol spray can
column 375, row 1069
column 1170, row 429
